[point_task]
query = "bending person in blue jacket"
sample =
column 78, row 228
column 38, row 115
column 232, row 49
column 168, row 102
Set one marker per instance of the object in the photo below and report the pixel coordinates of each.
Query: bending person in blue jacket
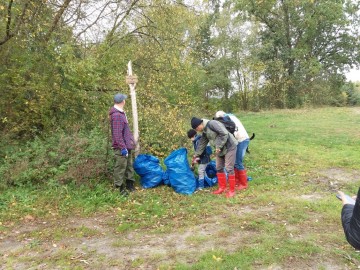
column 203, row 159
column 350, row 218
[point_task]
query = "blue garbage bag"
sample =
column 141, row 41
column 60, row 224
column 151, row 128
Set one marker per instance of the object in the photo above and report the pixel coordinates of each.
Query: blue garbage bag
column 210, row 174
column 210, row 178
column 180, row 175
column 166, row 179
column 150, row 171
column 209, row 182
column 210, row 169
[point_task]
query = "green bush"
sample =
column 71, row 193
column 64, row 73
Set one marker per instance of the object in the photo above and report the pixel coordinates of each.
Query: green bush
column 59, row 158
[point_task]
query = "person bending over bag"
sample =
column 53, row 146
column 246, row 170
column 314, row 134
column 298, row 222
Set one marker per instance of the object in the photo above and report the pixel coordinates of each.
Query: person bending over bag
column 350, row 218
column 225, row 149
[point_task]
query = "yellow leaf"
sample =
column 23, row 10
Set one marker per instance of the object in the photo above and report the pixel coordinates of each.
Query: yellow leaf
column 217, row 258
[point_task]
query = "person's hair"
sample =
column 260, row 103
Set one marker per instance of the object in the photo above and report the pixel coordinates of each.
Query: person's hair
column 191, row 133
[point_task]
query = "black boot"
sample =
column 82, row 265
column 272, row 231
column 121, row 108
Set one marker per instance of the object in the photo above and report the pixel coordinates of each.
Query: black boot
column 130, row 186
column 123, row 191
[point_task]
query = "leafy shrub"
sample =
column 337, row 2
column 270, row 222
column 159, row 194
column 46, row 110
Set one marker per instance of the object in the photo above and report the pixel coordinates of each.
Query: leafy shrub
column 59, row 158
column 83, row 156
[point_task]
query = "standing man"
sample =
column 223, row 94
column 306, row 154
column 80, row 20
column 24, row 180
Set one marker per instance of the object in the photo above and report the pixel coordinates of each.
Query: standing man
column 243, row 142
column 123, row 144
column 225, row 150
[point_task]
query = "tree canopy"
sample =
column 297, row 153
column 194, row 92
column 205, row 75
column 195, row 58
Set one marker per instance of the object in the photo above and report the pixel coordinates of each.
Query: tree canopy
column 63, row 60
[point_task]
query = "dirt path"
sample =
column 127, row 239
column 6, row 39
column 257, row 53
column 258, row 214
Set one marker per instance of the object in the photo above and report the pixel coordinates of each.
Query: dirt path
column 91, row 239
column 91, row 243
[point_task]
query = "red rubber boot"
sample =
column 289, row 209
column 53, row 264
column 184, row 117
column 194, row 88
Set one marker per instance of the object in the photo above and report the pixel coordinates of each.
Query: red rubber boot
column 237, row 178
column 222, row 183
column 243, row 180
column 231, row 192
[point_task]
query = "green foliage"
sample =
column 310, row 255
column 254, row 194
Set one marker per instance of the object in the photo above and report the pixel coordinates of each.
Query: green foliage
column 300, row 43
column 60, row 158
column 185, row 59
column 351, row 92
column 51, row 200
column 168, row 89
column 63, row 83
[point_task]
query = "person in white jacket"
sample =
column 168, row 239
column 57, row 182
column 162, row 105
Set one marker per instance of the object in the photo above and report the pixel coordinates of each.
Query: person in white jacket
column 243, row 142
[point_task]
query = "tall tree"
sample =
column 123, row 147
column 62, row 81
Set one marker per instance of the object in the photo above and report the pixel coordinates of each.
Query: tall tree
column 310, row 38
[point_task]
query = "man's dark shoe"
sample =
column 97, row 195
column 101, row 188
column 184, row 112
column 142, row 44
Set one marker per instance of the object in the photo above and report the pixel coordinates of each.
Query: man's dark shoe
column 123, row 191
column 130, row 186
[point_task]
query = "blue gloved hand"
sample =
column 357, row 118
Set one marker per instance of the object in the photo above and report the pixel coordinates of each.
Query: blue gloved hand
column 124, row 152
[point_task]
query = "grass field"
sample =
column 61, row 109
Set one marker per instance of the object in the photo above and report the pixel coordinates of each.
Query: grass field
column 288, row 218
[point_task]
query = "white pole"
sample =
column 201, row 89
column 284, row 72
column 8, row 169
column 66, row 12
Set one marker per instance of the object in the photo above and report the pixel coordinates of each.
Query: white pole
column 132, row 84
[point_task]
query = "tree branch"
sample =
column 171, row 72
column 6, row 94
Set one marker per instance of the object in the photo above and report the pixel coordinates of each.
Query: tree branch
column 57, row 19
column 117, row 24
column 9, row 34
column 8, row 18
column 94, row 22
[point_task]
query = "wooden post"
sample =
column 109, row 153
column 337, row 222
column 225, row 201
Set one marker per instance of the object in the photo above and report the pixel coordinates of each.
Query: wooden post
column 131, row 80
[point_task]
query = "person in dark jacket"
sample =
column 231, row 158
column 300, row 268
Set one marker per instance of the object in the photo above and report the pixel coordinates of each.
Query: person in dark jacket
column 204, row 158
column 225, row 149
column 123, row 145
column 350, row 218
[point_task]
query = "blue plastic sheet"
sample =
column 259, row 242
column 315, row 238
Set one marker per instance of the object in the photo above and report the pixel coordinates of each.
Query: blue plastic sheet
column 178, row 170
column 149, row 169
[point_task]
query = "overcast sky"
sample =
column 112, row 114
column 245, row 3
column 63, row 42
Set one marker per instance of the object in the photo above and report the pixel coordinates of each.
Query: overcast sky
column 353, row 75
